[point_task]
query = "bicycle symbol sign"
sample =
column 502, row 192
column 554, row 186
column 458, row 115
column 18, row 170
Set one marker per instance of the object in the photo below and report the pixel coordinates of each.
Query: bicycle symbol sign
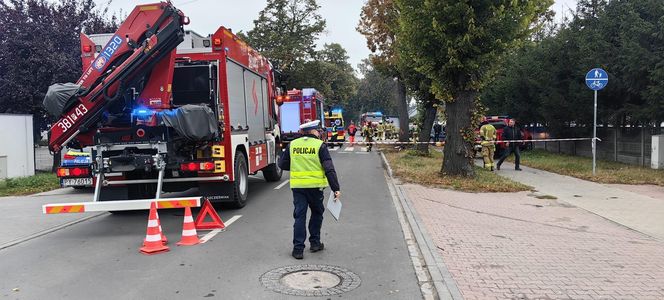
column 597, row 79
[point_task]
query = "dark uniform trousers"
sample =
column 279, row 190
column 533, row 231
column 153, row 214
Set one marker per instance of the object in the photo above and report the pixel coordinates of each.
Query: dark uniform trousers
column 313, row 199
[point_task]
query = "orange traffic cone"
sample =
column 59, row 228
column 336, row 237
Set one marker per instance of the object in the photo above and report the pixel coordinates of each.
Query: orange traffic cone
column 164, row 239
column 153, row 241
column 189, row 234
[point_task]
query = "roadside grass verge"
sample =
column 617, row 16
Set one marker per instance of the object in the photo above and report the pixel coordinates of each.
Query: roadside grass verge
column 425, row 170
column 581, row 167
column 40, row 182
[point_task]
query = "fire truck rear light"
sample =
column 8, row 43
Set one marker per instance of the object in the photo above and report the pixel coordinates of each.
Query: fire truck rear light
column 207, row 166
column 140, row 132
column 73, row 172
column 63, row 172
column 87, row 48
column 217, row 42
column 189, row 167
column 78, row 172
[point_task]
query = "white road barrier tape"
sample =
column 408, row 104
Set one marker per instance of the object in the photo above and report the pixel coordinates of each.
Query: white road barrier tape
column 434, row 143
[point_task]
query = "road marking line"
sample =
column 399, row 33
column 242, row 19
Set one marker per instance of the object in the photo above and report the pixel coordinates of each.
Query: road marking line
column 349, row 149
column 282, row 184
column 334, row 149
column 363, row 149
column 47, row 231
column 212, row 233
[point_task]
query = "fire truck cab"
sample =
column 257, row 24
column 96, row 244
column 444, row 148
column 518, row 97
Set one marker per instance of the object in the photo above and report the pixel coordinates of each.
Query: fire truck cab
column 297, row 106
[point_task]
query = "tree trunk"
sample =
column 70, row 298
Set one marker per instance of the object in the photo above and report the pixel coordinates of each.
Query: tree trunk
column 402, row 109
column 458, row 153
column 425, row 128
column 56, row 161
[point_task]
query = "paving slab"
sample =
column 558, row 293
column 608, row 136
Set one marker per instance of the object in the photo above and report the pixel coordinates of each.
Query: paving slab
column 637, row 211
column 516, row 246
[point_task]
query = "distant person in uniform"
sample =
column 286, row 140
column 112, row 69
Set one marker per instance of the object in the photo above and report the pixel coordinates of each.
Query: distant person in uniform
column 511, row 132
column 352, row 130
column 381, row 131
column 488, row 137
column 311, row 171
column 368, row 133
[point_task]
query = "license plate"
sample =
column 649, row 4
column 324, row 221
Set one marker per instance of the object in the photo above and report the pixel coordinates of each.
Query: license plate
column 77, row 182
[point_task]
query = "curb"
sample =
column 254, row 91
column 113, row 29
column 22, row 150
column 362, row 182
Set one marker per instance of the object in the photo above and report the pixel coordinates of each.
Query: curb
column 437, row 282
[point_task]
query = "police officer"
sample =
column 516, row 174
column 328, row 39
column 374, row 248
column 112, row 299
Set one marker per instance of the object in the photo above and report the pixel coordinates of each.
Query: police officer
column 311, row 170
column 488, row 137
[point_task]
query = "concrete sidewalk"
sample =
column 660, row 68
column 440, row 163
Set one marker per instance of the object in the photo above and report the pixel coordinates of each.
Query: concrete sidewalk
column 633, row 210
column 515, row 246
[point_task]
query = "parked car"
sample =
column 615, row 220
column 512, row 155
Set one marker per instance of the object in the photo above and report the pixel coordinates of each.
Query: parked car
column 500, row 122
column 75, row 170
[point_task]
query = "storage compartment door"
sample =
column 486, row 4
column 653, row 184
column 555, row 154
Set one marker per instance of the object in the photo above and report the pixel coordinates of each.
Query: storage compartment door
column 236, row 99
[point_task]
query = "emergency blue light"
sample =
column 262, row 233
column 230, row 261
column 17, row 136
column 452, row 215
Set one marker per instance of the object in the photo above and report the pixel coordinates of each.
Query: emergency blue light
column 379, row 114
column 337, row 110
column 142, row 112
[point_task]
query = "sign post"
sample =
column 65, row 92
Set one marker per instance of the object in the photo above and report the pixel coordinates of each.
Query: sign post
column 596, row 80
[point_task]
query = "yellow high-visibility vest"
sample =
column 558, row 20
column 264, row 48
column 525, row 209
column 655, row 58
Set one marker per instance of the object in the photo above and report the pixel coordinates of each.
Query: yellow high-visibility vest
column 306, row 170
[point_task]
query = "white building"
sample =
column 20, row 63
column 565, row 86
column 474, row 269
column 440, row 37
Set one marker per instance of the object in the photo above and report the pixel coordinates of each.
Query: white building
column 17, row 149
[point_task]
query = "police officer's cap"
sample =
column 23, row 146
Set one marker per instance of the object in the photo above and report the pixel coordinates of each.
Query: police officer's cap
column 310, row 125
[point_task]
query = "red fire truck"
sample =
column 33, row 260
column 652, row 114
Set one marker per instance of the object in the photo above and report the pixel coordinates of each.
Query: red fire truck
column 168, row 110
column 297, row 106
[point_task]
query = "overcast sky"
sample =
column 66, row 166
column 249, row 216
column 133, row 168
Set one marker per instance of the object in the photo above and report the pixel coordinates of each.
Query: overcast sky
column 341, row 16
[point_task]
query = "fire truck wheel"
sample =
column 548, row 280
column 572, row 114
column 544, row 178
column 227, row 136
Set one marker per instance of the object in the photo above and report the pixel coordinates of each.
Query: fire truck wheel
column 241, row 183
column 272, row 172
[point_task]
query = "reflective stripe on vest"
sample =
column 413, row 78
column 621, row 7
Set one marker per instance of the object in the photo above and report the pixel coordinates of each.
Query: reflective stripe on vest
column 306, row 169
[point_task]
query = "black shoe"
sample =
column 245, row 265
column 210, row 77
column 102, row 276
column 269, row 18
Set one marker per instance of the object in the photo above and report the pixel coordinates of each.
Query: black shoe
column 498, row 167
column 518, row 169
column 298, row 254
column 491, row 168
column 316, row 248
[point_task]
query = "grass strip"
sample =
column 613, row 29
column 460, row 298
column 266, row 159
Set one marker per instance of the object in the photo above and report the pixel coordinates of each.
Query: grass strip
column 40, row 182
column 581, row 167
column 425, row 170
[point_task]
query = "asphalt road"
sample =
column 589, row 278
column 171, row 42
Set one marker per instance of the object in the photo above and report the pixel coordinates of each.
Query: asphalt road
column 66, row 256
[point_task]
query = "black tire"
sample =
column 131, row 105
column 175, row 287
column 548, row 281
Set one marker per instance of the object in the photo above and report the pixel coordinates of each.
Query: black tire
column 272, row 172
column 241, row 182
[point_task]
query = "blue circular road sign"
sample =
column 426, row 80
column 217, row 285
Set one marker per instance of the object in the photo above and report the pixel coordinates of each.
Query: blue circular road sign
column 597, row 79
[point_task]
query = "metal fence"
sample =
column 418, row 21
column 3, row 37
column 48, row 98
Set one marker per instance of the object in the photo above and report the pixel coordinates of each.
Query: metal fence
column 630, row 145
column 43, row 159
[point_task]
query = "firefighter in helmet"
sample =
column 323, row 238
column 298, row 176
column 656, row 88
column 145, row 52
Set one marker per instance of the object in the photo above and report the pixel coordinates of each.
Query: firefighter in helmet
column 368, row 133
column 488, row 138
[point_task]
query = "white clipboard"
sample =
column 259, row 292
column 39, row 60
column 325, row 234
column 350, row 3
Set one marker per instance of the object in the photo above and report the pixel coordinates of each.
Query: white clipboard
column 334, row 207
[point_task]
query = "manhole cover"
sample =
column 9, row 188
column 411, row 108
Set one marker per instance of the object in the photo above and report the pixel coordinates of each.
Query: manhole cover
column 310, row 280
